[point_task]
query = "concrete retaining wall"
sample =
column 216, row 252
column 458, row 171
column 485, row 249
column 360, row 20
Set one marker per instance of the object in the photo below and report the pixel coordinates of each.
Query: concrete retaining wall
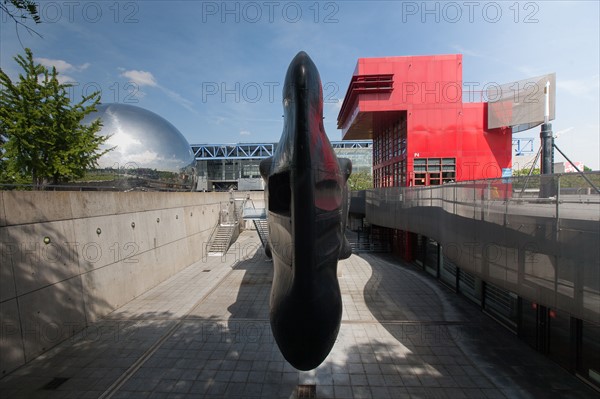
column 68, row 258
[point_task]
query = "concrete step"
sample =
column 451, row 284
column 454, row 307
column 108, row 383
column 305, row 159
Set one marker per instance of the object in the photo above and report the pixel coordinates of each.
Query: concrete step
column 221, row 240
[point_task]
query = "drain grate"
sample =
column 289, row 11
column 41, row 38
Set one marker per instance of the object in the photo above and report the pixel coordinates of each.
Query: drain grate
column 55, row 383
column 306, row 391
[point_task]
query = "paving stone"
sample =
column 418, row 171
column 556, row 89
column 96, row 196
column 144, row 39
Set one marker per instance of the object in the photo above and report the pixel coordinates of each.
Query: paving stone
column 208, row 335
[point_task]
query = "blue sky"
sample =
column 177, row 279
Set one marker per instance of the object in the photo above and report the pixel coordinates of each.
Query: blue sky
column 215, row 69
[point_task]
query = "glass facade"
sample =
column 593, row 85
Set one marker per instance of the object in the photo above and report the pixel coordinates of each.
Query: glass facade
column 361, row 158
column 225, row 168
column 391, row 164
column 434, row 171
column 228, row 169
column 390, row 155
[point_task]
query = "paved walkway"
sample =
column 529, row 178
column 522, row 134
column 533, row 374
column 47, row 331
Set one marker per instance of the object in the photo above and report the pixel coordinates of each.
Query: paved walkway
column 205, row 333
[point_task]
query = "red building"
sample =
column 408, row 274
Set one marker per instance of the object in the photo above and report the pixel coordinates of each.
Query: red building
column 422, row 131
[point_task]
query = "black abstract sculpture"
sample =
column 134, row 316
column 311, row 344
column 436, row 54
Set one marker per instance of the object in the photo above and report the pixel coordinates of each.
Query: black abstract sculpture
column 307, row 199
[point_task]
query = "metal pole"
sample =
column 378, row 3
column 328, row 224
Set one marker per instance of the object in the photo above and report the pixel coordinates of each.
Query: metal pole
column 557, row 220
column 547, row 166
column 547, row 188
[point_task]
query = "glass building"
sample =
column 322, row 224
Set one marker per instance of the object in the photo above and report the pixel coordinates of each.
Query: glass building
column 223, row 167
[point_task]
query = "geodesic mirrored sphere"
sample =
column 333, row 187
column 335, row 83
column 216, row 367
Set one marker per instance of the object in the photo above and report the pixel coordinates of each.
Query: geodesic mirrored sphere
column 148, row 152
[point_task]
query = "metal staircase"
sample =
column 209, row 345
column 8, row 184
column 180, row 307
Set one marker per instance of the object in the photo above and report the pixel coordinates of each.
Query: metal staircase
column 259, row 217
column 226, row 228
column 262, row 228
column 221, row 239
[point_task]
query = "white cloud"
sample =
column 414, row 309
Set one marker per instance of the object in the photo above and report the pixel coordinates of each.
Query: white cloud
column 334, row 105
column 123, row 142
column 563, row 131
column 145, row 158
column 464, row 51
column 245, row 133
column 142, row 158
column 66, row 79
column 62, row 65
column 530, row 71
column 145, row 78
column 184, row 102
column 62, row 79
column 141, row 78
column 587, row 88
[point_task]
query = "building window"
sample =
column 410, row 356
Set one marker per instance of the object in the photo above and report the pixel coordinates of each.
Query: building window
column 250, row 171
column 389, row 148
column 448, row 170
column 434, row 171
column 420, row 169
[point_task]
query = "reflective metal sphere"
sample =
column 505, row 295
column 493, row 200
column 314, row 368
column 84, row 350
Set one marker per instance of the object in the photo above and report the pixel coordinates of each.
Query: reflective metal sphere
column 149, row 152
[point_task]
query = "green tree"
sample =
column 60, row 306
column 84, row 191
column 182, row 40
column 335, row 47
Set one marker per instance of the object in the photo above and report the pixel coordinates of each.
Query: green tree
column 525, row 172
column 20, row 11
column 22, row 7
column 42, row 138
column 360, row 180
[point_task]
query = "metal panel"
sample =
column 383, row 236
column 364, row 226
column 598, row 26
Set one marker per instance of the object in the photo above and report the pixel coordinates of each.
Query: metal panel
column 521, row 104
column 543, row 249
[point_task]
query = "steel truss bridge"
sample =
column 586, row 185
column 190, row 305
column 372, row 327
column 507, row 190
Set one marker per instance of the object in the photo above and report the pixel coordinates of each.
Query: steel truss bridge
column 204, row 152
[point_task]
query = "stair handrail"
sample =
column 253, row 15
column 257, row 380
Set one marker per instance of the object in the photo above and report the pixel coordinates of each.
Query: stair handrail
column 259, row 227
column 211, row 237
column 228, row 209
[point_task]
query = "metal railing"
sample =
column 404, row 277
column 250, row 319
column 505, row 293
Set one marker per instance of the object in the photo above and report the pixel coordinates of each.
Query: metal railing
column 122, row 185
column 535, row 236
column 470, row 198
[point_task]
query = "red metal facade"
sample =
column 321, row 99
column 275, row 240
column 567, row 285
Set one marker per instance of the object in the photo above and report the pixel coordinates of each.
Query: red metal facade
column 422, row 131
